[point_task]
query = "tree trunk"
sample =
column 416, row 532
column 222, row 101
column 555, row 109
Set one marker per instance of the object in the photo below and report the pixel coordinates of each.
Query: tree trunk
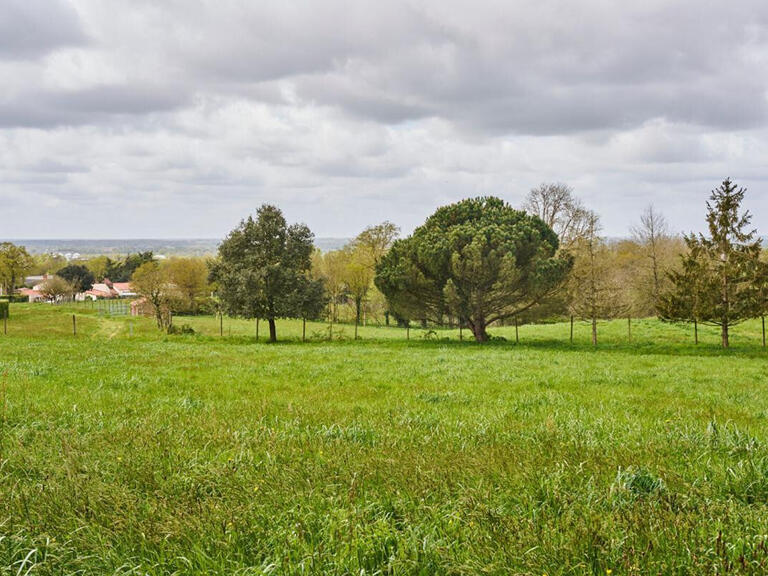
column 696, row 332
column 272, row 330
column 386, row 318
column 358, row 306
column 303, row 329
column 629, row 328
column 571, row 328
column 594, row 331
column 724, row 334
column 478, row 330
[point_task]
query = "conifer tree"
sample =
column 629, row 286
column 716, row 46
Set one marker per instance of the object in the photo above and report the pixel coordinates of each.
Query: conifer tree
column 721, row 275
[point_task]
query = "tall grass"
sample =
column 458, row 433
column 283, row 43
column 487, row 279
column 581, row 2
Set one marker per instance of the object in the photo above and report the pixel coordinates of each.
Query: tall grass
column 125, row 451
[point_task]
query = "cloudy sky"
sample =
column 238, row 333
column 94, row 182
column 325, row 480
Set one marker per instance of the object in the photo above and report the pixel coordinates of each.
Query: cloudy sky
column 177, row 118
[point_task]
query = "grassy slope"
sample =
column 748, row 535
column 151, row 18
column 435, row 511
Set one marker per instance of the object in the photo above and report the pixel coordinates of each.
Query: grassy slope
column 145, row 454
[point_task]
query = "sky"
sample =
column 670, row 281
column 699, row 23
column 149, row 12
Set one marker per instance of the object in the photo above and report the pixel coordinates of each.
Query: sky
column 178, row 118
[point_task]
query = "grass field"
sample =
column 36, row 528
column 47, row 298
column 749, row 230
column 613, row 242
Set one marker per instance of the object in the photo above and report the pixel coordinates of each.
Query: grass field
column 123, row 451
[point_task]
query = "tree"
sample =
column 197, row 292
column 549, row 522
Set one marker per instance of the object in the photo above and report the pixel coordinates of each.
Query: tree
column 557, row 206
column 311, row 300
column 595, row 290
column 358, row 273
column 259, row 266
column 721, row 273
column 190, row 277
column 15, row 262
column 374, row 242
column 151, row 281
column 56, row 289
column 122, row 270
column 330, row 267
column 479, row 260
column 47, row 263
column 682, row 302
column 652, row 234
column 80, row 277
column 99, row 266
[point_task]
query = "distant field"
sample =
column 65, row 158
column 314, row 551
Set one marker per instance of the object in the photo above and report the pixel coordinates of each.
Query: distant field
column 124, row 451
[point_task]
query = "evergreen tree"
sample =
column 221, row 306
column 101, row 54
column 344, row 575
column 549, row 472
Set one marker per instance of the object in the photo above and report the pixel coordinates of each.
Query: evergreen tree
column 479, row 260
column 78, row 276
column 260, row 267
column 721, row 274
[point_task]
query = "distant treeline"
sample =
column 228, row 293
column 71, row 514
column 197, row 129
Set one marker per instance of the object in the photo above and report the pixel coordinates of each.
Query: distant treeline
column 474, row 264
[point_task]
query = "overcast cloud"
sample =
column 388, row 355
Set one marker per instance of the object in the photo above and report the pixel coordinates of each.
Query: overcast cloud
column 178, row 118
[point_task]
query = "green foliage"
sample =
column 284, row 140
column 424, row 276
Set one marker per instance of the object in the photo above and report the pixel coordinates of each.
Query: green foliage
column 311, row 297
column 122, row 270
column 721, row 276
column 152, row 282
column 261, row 268
column 80, row 277
column 190, row 278
column 15, row 263
column 184, row 329
column 478, row 260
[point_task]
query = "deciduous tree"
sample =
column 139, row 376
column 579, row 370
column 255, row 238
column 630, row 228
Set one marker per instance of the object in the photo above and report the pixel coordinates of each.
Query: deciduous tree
column 15, row 262
column 56, row 289
column 190, row 277
column 150, row 280
column 358, row 276
column 559, row 208
column 594, row 287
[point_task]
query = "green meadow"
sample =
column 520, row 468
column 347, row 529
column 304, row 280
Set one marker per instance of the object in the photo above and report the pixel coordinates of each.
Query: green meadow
column 126, row 451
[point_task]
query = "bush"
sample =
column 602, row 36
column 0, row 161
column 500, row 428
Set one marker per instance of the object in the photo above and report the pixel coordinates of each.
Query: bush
column 16, row 298
column 183, row 329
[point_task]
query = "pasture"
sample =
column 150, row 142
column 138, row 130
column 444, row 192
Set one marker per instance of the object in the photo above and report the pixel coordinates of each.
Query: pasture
column 126, row 451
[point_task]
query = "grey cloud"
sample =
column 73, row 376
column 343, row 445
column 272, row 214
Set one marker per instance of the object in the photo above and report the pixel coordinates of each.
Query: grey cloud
column 32, row 28
column 98, row 105
column 179, row 117
column 520, row 68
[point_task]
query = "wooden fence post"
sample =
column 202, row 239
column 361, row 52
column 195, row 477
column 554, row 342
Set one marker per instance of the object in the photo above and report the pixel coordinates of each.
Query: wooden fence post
column 629, row 328
column 221, row 324
column 74, row 326
column 571, row 328
column 257, row 329
column 517, row 334
column 303, row 329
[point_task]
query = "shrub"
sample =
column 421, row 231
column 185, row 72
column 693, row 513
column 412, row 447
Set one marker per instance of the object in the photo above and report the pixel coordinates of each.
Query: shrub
column 183, row 329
